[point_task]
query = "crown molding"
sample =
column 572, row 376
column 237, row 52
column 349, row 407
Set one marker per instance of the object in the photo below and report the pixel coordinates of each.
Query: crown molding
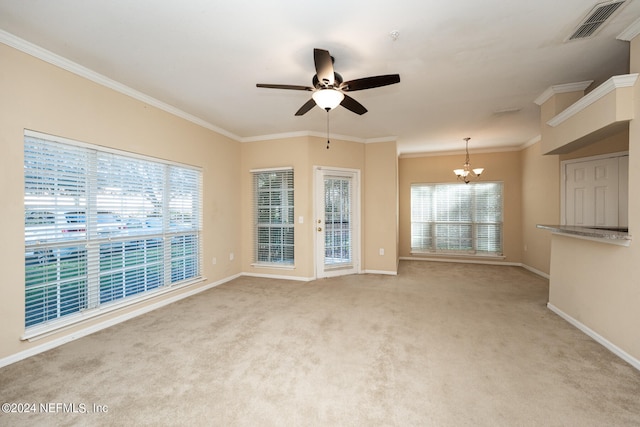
column 61, row 62
column 381, row 139
column 288, row 135
column 79, row 70
column 563, row 88
column 615, row 82
column 488, row 150
column 508, row 148
column 274, row 136
column 630, row 32
column 531, row 142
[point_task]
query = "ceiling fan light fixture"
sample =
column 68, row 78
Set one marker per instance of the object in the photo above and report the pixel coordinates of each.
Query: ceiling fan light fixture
column 327, row 99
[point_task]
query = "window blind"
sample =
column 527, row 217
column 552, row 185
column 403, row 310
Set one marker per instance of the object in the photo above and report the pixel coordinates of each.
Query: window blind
column 101, row 227
column 274, row 217
column 457, row 218
column 338, row 221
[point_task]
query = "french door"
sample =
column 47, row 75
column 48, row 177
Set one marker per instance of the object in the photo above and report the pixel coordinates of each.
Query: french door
column 337, row 221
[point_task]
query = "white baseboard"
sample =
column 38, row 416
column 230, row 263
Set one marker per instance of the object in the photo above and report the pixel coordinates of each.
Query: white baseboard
column 106, row 323
column 386, row 272
column 148, row 308
column 277, row 276
column 309, row 279
column 597, row 337
column 478, row 261
column 536, row 271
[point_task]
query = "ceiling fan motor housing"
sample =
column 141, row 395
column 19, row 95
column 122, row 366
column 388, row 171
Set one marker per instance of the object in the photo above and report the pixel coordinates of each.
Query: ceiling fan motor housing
column 336, row 76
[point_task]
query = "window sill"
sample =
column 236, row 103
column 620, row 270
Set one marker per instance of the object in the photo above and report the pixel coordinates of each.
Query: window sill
column 37, row 332
column 274, row 266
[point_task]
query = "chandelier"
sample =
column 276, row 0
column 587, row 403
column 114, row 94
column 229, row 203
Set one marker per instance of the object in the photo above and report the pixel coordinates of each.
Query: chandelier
column 466, row 173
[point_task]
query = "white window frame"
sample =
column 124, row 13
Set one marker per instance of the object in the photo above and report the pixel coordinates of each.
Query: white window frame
column 179, row 262
column 286, row 226
column 428, row 210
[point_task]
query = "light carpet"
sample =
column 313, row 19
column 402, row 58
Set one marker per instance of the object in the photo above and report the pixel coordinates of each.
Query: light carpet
column 438, row 345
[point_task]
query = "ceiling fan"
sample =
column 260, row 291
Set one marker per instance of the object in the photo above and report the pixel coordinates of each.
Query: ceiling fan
column 329, row 87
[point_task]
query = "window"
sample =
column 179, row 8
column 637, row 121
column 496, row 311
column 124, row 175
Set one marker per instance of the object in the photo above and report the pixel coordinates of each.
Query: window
column 457, row 218
column 338, row 221
column 102, row 226
column 273, row 217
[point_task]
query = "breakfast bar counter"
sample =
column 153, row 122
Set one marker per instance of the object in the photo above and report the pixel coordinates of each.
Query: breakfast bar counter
column 614, row 235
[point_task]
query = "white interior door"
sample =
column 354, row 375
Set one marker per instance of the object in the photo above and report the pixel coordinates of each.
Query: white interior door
column 623, row 191
column 591, row 192
column 337, row 221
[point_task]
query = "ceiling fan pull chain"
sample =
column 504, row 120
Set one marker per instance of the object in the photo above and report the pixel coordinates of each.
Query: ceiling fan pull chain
column 328, row 142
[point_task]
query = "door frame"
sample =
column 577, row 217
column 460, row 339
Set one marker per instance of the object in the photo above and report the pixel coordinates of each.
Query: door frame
column 356, row 242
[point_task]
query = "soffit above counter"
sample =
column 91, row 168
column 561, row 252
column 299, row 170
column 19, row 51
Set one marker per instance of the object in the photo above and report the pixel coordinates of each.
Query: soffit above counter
column 603, row 112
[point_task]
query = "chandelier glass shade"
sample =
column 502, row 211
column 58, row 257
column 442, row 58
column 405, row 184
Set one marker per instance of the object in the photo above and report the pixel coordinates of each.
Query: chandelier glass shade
column 467, row 173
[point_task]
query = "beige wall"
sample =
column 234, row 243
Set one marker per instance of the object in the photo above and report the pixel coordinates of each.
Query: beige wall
column 541, row 194
column 616, row 143
column 381, row 207
column 597, row 283
column 592, row 282
column 499, row 166
column 44, row 98
column 378, row 198
column 291, row 152
column 548, row 110
column 540, row 205
column 541, row 183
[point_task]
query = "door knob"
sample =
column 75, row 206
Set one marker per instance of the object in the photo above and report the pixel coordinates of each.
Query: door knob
column 319, row 228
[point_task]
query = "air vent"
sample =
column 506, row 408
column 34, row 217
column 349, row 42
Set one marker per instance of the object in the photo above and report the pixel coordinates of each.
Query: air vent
column 594, row 20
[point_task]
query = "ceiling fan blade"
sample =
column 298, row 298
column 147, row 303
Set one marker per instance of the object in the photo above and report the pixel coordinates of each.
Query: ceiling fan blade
column 290, row 87
column 352, row 105
column 306, row 107
column 370, row 82
column 324, row 66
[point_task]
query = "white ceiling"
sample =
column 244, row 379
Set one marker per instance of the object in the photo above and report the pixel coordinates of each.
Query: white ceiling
column 459, row 62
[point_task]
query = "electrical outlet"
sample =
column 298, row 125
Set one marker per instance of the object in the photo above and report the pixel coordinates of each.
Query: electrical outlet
column 214, row 261
column 381, row 251
column 231, row 256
